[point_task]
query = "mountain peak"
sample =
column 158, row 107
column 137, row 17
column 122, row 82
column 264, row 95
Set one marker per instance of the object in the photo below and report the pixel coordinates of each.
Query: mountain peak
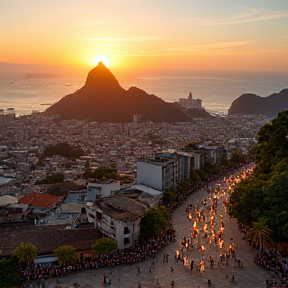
column 103, row 100
column 101, row 64
column 100, row 77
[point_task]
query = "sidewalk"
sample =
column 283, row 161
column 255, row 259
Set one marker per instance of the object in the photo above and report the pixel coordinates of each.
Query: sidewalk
column 162, row 276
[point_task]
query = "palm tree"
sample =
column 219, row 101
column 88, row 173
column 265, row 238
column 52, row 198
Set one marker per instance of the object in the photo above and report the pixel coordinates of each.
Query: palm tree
column 26, row 253
column 260, row 233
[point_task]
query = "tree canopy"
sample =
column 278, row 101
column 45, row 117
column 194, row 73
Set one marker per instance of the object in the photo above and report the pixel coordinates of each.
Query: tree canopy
column 154, row 221
column 26, row 253
column 9, row 273
column 237, row 157
column 64, row 254
column 105, row 245
column 63, row 149
column 51, row 179
column 101, row 173
column 265, row 193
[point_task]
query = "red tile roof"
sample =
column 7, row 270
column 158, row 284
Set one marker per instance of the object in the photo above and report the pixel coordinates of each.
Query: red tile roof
column 40, row 200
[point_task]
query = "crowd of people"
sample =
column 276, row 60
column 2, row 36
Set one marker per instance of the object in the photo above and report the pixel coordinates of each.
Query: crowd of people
column 130, row 256
column 208, row 227
column 205, row 231
column 276, row 264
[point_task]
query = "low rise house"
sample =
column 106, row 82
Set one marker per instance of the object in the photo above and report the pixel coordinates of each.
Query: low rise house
column 99, row 190
column 42, row 200
column 41, row 204
column 118, row 217
column 48, row 238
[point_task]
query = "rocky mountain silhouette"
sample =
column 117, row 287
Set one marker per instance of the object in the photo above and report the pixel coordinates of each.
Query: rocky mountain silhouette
column 102, row 99
column 270, row 106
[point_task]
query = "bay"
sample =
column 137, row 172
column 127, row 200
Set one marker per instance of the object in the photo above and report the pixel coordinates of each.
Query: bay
column 216, row 89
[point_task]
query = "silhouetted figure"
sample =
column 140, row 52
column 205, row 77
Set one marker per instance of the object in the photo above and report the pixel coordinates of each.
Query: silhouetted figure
column 191, row 265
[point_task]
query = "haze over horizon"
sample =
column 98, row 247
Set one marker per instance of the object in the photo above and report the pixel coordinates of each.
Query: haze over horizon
column 146, row 35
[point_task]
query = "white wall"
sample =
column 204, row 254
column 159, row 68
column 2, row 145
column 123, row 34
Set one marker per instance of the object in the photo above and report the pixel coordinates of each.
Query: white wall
column 149, row 174
column 102, row 189
column 108, row 189
column 120, row 234
column 197, row 161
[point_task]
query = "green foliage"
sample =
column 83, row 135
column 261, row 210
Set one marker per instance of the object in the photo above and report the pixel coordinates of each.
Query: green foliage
column 52, row 179
column 154, row 221
column 101, row 173
column 65, row 254
column 237, row 157
column 105, row 245
column 197, row 175
column 169, row 196
column 276, row 204
column 246, row 201
column 26, row 253
column 183, row 187
column 65, row 150
column 211, row 169
column 265, row 194
column 9, row 273
column 272, row 144
column 260, row 232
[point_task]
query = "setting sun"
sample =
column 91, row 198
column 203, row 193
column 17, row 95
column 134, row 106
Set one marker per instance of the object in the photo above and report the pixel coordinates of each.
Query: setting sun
column 102, row 59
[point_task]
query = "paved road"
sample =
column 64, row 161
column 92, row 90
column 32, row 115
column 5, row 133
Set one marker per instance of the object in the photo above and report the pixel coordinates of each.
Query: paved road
column 162, row 276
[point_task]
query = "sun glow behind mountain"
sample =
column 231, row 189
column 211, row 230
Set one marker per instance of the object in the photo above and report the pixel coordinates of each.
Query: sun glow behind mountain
column 103, row 59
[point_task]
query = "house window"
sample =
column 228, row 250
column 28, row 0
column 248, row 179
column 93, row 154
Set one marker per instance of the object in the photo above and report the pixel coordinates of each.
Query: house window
column 99, row 216
column 126, row 241
column 126, row 230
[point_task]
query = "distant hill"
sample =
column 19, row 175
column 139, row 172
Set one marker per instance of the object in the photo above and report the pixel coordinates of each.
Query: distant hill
column 198, row 113
column 270, row 106
column 102, row 99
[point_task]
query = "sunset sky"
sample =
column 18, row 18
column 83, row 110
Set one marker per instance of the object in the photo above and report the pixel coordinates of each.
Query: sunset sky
column 147, row 34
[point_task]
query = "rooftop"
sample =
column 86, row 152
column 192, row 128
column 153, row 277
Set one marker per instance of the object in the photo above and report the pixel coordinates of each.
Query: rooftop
column 40, row 200
column 46, row 238
column 122, row 208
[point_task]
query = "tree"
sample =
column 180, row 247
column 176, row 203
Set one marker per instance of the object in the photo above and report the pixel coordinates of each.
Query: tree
column 105, row 245
column 183, row 187
column 64, row 149
column 276, row 204
column 265, row 193
column 246, row 201
column 153, row 223
column 52, row 179
column 260, row 232
column 237, row 157
column 26, row 253
column 65, row 254
column 169, row 196
column 101, row 173
column 9, row 273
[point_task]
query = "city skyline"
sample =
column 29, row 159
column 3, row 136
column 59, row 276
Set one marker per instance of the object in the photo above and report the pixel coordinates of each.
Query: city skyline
column 147, row 35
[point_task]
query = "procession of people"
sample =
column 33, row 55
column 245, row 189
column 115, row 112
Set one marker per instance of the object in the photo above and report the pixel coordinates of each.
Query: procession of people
column 206, row 246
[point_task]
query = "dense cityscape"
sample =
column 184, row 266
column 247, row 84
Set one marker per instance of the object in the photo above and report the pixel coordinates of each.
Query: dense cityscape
column 24, row 139
column 85, row 208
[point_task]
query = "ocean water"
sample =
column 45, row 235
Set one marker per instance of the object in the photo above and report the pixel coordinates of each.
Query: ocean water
column 217, row 90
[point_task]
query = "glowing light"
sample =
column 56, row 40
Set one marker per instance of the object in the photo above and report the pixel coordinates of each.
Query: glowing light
column 103, row 59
